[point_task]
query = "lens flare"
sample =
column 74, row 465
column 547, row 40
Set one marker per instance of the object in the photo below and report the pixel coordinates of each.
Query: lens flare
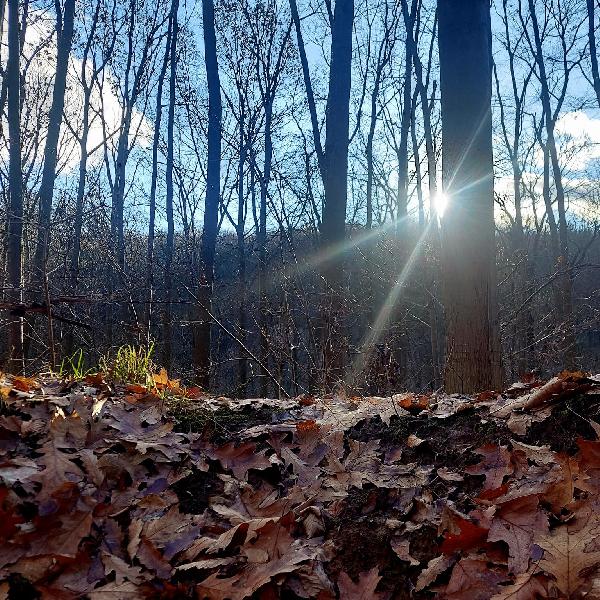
column 441, row 202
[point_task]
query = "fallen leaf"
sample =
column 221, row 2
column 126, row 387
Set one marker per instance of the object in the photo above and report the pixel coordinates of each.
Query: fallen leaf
column 363, row 590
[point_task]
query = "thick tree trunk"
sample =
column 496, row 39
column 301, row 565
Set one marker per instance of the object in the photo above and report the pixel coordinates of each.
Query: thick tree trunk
column 15, row 183
column 64, row 32
column 472, row 343
column 333, row 227
column 202, row 340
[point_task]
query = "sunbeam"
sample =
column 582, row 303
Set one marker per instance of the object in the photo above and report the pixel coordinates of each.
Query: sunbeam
column 385, row 314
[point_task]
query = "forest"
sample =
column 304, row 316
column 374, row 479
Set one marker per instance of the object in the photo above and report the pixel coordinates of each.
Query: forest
column 169, row 183
column 299, row 299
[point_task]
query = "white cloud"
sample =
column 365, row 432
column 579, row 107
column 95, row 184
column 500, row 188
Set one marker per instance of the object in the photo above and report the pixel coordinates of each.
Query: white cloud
column 578, row 139
column 38, row 90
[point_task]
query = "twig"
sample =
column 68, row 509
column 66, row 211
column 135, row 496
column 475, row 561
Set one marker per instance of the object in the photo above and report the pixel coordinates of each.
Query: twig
column 242, row 345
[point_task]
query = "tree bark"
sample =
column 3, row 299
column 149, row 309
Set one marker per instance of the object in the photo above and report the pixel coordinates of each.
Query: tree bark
column 154, row 185
column 472, row 342
column 591, row 9
column 333, row 225
column 402, row 192
column 64, row 33
column 170, row 241
column 202, row 342
column 562, row 259
column 15, row 216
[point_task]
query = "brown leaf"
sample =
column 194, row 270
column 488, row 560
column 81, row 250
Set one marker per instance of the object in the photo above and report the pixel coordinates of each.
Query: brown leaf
column 254, row 577
column 473, row 579
column 496, row 465
column 517, row 523
column 118, row 591
column 435, row 567
column 525, row 587
column 566, row 554
column 24, row 384
column 363, row 590
column 240, row 459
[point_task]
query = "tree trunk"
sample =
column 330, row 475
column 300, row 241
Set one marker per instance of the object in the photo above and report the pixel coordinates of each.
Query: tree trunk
column 64, row 33
column 591, row 9
column 309, row 91
column 153, row 186
column 402, row 199
column 202, row 340
column 472, row 343
column 170, row 242
column 262, row 246
column 562, row 259
column 241, row 257
column 15, row 183
column 333, row 227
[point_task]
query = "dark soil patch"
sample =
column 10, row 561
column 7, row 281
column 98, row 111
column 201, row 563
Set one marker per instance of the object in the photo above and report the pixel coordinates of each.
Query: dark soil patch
column 448, row 442
column 362, row 539
column 569, row 420
column 219, row 426
column 19, row 588
column 194, row 491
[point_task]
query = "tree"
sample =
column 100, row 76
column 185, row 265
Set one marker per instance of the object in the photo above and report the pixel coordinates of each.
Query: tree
column 335, row 183
column 202, row 341
column 468, row 252
column 591, row 10
column 15, row 216
column 170, row 242
column 154, row 181
column 64, row 38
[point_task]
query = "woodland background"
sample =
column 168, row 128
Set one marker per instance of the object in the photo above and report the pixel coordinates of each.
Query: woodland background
column 107, row 248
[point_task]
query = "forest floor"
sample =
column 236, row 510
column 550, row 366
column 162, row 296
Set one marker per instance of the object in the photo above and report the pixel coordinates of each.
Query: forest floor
column 122, row 492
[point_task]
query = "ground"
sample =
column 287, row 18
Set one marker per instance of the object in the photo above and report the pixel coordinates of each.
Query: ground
column 128, row 491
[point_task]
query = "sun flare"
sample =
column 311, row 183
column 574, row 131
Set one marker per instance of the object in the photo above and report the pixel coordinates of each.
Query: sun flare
column 441, row 202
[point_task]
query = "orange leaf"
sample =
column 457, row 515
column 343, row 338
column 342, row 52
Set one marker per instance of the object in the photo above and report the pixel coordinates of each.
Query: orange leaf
column 470, row 535
column 411, row 402
column 193, row 392
column 136, row 388
column 304, row 426
column 161, row 379
column 23, row 384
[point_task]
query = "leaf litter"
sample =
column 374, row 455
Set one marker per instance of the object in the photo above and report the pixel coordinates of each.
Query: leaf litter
column 119, row 491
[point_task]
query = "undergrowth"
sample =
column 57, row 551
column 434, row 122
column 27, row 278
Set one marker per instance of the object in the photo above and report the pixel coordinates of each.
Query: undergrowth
column 130, row 364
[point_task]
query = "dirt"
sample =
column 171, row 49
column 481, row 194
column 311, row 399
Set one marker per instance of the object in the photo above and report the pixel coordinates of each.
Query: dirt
column 362, row 533
column 220, row 426
column 568, row 421
column 195, row 490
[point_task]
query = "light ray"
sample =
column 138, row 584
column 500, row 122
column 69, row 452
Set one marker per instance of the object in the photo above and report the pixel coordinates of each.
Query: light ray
column 385, row 313
column 322, row 256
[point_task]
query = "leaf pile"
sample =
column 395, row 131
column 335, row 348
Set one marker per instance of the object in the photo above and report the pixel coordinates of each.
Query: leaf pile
column 106, row 493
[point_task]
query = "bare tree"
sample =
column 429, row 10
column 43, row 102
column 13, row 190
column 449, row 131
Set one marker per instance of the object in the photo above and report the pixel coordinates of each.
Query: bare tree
column 202, row 341
column 15, row 217
column 472, row 351
column 64, row 37
column 335, row 183
column 170, row 241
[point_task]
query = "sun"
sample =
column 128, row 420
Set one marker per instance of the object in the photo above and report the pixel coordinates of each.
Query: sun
column 441, row 202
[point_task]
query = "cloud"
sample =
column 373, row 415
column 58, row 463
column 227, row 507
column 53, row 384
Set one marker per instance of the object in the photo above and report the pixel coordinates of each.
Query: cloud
column 578, row 139
column 40, row 51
